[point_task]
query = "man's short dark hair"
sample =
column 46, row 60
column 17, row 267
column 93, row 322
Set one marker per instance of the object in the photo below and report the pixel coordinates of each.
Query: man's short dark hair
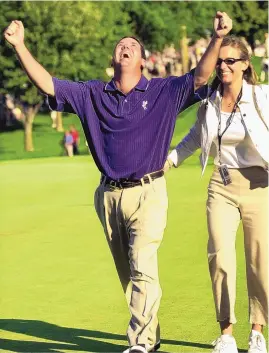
column 143, row 53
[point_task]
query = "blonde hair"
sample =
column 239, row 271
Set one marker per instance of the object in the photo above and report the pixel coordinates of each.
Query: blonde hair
column 249, row 74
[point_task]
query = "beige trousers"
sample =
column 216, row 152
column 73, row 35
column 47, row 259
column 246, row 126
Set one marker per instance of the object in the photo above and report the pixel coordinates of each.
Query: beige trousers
column 246, row 199
column 69, row 150
column 134, row 220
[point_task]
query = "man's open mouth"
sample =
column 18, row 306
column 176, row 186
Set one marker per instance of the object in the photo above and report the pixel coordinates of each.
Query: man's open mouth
column 125, row 56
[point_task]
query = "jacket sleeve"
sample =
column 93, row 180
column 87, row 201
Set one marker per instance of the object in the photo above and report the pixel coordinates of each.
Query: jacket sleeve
column 191, row 142
column 261, row 99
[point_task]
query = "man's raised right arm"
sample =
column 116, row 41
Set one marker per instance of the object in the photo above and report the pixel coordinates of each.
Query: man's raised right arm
column 14, row 34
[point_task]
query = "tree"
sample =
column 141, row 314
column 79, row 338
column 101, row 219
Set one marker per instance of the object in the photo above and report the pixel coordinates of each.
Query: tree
column 153, row 22
column 66, row 38
column 158, row 23
column 74, row 40
column 251, row 19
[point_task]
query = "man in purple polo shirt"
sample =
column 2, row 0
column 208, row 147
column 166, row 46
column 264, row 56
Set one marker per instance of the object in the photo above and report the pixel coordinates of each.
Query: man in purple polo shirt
column 129, row 123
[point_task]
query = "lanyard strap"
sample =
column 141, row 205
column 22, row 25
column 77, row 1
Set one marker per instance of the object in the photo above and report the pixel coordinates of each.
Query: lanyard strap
column 229, row 121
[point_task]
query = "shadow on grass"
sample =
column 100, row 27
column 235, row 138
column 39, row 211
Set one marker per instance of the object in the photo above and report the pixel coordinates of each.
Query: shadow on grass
column 65, row 338
column 69, row 339
column 16, row 125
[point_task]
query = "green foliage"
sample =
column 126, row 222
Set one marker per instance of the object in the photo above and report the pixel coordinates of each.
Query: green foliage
column 198, row 16
column 72, row 40
column 251, row 19
column 75, row 40
column 158, row 23
column 153, row 22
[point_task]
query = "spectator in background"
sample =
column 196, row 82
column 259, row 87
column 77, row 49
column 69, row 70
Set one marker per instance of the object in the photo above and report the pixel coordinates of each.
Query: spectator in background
column 75, row 134
column 265, row 60
column 9, row 108
column 53, row 115
column 259, row 49
column 68, row 143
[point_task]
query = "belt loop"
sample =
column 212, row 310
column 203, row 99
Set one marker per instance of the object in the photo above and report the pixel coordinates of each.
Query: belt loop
column 142, row 181
column 150, row 178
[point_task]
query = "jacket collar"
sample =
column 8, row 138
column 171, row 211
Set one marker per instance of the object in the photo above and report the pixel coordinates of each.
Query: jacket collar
column 142, row 85
column 246, row 94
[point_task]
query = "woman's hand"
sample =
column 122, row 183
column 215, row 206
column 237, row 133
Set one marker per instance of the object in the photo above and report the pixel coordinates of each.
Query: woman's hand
column 167, row 165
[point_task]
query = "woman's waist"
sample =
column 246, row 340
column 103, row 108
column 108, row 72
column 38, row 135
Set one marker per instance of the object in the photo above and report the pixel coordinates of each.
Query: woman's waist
column 240, row 175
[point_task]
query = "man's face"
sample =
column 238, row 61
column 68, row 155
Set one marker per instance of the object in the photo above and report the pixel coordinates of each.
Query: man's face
column 128, row 54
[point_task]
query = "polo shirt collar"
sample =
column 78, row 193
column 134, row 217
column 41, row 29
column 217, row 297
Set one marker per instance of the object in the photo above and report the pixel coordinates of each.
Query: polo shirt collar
column 110, row 86
column 142, row 85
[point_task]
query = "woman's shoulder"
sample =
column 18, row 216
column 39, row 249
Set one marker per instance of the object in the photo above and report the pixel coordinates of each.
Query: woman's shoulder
column 262, row 90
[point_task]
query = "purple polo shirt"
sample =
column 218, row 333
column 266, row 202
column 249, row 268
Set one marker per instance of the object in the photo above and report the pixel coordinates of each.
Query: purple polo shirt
column 128, row 135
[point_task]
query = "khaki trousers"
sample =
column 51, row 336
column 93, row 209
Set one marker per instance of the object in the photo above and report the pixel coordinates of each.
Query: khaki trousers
column 246, row 199
column 134, row 220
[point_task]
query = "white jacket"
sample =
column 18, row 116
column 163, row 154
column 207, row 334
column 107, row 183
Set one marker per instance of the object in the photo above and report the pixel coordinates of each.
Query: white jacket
column 205, row 129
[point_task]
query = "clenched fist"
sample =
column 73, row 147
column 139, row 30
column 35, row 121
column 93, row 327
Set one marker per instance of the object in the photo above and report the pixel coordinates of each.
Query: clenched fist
column 14, row 33
column 222, row 24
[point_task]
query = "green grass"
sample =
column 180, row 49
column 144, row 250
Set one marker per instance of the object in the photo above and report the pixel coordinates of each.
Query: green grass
column 46, row 140
column 59, row 288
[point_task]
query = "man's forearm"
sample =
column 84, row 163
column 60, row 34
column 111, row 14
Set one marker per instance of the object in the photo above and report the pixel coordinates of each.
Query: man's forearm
column 208, row 61
column 36, row 72
column 222, row 26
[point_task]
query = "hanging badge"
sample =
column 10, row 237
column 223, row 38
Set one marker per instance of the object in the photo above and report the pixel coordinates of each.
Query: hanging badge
column 224, row 173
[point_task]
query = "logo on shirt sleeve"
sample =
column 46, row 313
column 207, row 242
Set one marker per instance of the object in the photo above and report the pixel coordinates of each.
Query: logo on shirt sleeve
column 144, row 105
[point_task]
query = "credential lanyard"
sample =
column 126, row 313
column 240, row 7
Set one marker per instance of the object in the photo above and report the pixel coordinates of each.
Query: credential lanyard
column 229, row 121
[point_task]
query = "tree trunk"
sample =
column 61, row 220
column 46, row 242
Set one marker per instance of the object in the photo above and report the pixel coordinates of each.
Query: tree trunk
column 28, row 129
column 59, row 122
column 184, row 50
column 30, row 114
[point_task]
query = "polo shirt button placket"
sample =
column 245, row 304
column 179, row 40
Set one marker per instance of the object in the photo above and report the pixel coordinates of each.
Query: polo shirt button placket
column 123, row 107
column 122, row 101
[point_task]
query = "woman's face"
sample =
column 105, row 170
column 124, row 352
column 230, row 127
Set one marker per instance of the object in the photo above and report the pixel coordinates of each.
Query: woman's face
column 230, row 72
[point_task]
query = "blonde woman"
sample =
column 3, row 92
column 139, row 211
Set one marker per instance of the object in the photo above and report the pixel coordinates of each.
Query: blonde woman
column 232, row 126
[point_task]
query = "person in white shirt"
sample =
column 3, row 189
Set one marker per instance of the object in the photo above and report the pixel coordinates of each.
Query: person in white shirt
column 232, row 126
